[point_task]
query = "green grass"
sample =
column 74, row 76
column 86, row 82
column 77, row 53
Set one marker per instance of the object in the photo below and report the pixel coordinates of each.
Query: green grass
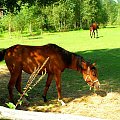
column 105, row 51
column 73, row 41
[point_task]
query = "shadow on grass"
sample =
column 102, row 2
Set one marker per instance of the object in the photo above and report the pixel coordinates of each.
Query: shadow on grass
column 2, row 49
column 73, row 85
column 99, row 37
column 111, row 27
column 108, row 65
column 35, row 38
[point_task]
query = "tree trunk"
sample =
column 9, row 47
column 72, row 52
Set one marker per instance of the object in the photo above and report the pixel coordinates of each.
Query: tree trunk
column 9, row 26
column 30, row 28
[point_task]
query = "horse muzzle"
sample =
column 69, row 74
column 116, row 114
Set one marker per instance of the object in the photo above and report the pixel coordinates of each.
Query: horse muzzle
column 96, row 85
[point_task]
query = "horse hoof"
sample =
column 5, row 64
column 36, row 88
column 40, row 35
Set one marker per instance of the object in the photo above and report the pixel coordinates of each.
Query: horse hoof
column 62, row 103
column 44, row 98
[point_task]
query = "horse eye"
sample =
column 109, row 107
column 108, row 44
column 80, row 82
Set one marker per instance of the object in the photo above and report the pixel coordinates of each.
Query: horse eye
column 93, row 74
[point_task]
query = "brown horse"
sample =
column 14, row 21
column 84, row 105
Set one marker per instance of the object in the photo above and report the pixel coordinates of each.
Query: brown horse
column 26, row 58
column 93, row 27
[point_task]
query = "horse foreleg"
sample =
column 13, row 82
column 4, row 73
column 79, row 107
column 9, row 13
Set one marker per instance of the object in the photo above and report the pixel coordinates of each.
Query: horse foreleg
column 90, row 34
column 94, row 33
column 58, row 84
column 48, row 82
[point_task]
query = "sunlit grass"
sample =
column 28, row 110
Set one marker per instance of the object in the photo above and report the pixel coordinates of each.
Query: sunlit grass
column 73, row 40
column 105, row 51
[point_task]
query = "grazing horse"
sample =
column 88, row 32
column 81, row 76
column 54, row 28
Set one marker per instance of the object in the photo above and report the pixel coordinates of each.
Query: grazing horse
column 26, row 58
column 93, row 27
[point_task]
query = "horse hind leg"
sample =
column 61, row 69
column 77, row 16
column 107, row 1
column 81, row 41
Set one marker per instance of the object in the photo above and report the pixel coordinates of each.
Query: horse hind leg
column 90, row 34
column 11, row 85
column 18, row 87
column 18, row 84
column 15, row 75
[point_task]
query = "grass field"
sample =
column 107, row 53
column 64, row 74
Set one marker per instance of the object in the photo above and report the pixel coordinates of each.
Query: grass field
column 105, row 51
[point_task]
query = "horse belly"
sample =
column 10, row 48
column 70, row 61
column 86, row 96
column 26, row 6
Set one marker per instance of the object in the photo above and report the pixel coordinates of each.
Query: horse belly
column 30, row 64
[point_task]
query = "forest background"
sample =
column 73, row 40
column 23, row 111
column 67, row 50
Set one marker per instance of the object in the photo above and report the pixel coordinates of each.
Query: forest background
column 57, row 15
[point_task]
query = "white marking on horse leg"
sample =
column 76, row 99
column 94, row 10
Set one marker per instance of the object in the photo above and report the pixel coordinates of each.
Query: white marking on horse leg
column 62, row 103
column 90, row 87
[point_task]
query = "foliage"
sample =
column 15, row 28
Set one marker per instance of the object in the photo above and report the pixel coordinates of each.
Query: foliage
column 112, row 10
column 15, row 5
column 62, row 15
column 93, row 10
column 11, row 105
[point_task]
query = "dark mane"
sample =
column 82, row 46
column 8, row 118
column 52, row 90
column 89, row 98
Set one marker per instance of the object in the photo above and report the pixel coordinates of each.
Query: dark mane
column 66, row 55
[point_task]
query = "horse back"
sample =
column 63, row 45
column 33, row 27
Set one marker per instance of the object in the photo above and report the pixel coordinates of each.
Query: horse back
column 27, row 58
column 94, row 26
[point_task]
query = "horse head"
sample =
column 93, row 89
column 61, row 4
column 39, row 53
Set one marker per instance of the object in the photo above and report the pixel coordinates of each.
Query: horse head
column 90, row 74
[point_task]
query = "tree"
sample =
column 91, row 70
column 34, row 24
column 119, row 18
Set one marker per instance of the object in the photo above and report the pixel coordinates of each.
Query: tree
column 61, row 15
column 90, row 10
column 112, row 10
column 15, row 5
column 118, row 16
column 93, row 11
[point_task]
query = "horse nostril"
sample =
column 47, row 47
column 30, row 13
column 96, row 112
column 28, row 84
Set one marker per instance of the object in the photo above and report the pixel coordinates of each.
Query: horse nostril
column 97, row 86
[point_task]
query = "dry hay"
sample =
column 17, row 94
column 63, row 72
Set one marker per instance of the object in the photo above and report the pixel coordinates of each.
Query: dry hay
column 97, row 105
column 100, row 105
column 107, row 107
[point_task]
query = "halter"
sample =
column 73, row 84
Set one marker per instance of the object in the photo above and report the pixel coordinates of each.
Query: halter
column 88, row 76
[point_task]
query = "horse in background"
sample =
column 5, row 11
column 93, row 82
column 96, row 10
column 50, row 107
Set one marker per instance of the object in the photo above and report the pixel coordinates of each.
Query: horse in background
column 94, row 27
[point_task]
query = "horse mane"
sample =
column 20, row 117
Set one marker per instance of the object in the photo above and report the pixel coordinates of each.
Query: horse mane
column 66, row 55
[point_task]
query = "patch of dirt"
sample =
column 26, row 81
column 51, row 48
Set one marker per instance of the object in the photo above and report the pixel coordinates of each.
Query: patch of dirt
column 100, row 104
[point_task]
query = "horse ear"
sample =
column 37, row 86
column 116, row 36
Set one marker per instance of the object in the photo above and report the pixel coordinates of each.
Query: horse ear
column 94, row 64
column 84, row 65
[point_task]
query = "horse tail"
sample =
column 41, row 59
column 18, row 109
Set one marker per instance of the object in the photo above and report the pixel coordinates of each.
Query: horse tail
column 2, row 54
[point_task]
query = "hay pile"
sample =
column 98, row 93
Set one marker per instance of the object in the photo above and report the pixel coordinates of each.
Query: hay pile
column 107, row 107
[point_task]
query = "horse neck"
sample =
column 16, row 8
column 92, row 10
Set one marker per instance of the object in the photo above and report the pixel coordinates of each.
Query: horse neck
column 74, row 64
